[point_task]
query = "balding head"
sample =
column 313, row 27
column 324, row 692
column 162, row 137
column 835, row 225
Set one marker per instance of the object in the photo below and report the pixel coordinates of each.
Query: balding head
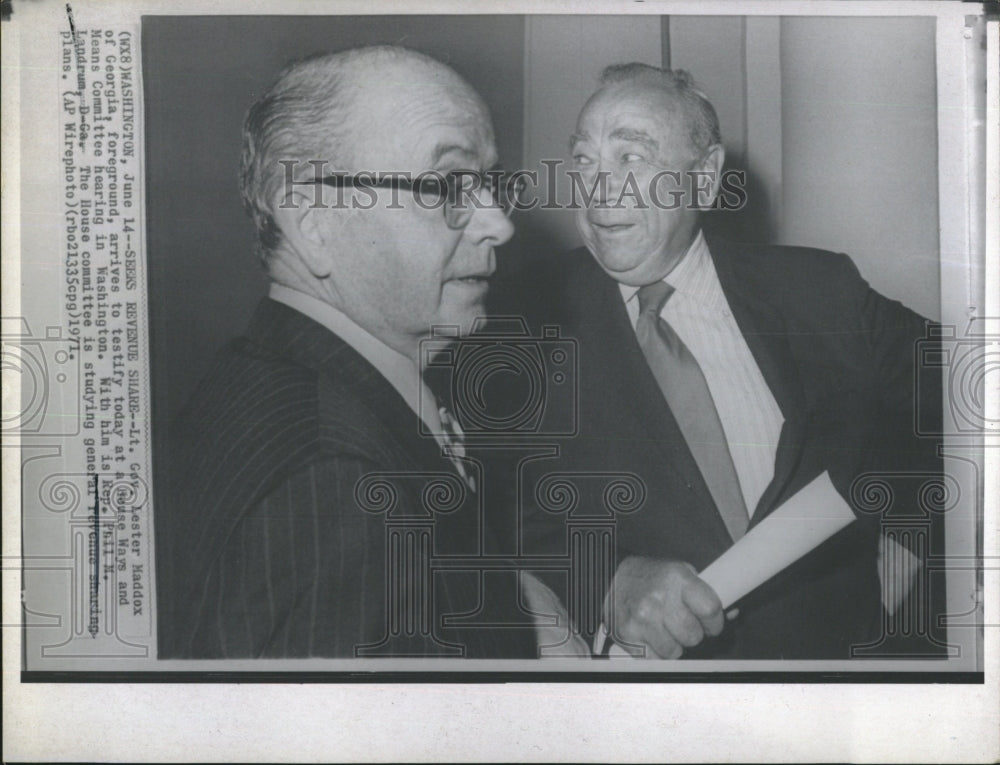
column 375, row 251
column 326, row 108
column 678, row 87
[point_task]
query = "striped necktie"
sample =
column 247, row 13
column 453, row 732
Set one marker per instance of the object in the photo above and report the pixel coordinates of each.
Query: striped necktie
column 454, row 444
column 684, row 387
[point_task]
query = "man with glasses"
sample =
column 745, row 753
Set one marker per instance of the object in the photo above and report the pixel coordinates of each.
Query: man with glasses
column 371, row 179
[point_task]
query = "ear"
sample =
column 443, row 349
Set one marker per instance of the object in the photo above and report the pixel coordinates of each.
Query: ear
column 305, row 225
column 709, row 168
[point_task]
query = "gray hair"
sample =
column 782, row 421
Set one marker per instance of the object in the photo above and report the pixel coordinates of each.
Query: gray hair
column 305, row 114
column 703, row 122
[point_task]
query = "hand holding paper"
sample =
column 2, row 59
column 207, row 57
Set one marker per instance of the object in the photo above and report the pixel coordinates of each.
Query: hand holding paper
column 662, row 605
column 797, row 527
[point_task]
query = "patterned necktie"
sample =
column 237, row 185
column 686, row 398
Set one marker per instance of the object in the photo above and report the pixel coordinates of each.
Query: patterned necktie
column 454, row 444
column 684, row 387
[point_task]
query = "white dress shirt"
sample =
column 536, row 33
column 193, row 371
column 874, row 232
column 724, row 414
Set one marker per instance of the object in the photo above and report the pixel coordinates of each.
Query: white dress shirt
column 699, row 313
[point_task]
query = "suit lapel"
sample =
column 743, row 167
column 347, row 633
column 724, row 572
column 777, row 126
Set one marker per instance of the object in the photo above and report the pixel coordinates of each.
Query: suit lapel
column 629, row 388
column 290, row 334
column 285, row 332
column 766, row 334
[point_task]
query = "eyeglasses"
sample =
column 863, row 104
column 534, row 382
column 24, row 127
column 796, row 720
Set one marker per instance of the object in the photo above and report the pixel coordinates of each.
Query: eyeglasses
column 456, row 192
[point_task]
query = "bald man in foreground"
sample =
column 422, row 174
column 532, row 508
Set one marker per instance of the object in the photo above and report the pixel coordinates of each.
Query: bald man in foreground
column 315, row 429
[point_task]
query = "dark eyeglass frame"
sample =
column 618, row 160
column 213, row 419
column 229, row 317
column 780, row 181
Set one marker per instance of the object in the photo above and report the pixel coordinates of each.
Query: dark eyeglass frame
column 455, row 191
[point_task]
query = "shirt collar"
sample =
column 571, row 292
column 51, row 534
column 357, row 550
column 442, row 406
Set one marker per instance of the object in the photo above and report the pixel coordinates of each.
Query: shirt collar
column 399, row 370
column 691, row 276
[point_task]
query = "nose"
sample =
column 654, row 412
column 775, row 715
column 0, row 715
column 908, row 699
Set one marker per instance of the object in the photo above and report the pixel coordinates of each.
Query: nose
column 616, row 174
column 602, row 181
column 489, row 225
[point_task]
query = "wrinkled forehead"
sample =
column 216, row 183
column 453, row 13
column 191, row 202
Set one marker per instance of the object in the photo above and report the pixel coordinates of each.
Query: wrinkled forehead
column 424, row 120
column 628, row 108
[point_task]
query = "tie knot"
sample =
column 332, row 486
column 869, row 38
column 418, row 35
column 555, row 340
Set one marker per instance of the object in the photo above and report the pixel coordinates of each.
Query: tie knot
column 654, row 296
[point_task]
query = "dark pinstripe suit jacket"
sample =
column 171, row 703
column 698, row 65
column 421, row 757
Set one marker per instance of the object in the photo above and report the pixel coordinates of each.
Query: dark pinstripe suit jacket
column 286, row 464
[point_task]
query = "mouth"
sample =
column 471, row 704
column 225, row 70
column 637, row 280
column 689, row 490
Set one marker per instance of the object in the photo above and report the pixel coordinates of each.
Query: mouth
column 473, row 280
column 610, row 228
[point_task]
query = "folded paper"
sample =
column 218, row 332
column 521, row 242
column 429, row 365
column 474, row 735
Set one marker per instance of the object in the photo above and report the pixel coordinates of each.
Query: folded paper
column 798, row 526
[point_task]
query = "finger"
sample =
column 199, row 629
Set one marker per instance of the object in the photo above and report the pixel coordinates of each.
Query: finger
column 663, row 646
column 705, row 605
column 650, row 641
column 732, row 613
column 685, row 627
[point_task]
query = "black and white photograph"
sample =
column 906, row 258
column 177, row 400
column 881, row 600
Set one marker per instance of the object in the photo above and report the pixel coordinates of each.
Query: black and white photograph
column 502, row 355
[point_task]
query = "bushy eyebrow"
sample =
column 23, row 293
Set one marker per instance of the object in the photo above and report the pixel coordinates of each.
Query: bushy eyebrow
column 622, row 134
column 637, row 136
column 443, row 149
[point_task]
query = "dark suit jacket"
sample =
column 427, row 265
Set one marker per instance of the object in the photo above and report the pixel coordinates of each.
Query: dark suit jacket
column 839, row 360
column 289, row 463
